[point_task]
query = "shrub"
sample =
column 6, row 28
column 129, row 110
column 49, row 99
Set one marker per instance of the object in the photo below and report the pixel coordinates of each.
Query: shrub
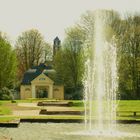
column 13, row 101
column 74, row 94
column 6, row 94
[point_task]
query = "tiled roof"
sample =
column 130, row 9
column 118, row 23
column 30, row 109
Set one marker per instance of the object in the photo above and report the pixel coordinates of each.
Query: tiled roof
column 33, row 73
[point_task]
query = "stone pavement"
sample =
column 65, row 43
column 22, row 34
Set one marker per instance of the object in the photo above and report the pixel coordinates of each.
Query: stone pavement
column 35, row 112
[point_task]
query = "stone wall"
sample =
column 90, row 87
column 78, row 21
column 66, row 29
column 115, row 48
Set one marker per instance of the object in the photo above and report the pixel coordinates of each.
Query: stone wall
column 25, row 92
column 58, row 92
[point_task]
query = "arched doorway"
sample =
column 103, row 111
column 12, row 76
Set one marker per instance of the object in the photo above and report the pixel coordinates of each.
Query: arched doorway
column 41, row 92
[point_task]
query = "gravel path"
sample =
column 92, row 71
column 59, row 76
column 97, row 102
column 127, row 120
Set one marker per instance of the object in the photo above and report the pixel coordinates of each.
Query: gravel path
column 4, row 138
column 26, row 113
column 35, row 112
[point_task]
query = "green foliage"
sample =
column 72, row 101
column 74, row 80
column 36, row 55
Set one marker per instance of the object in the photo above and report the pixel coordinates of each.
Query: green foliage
column 48, row 52
column 8, row 63
column 126, row 35
column 31, row 50
column 72, row 93
column 68, row 63
column 6, row 94
column 129, row 51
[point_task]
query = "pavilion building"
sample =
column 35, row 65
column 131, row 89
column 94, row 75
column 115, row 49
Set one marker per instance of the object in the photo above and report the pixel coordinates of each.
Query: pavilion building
column 38, row 81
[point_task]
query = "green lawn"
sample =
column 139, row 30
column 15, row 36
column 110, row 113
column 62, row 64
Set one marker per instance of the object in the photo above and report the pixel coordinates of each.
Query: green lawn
column 4, row 109
column 123, row 105
column 8, row 119
column 129, row 105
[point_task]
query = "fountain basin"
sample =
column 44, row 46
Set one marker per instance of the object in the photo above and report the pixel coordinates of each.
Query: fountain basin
column 69, row 131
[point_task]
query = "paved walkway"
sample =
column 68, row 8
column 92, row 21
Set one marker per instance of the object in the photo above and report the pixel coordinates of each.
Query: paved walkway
column 36, row 111
column 49, row 108
column 26, row 113
column 4, row 138
column 28, row 104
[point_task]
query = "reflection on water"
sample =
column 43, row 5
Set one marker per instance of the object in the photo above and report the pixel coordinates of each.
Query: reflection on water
column 68, row 131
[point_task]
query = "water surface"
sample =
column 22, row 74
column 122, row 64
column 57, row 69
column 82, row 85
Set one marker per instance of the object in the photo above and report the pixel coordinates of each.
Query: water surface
column 67, row 131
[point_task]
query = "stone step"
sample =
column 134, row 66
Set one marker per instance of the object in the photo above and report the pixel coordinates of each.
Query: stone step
column 67, row 104
column 45, row 112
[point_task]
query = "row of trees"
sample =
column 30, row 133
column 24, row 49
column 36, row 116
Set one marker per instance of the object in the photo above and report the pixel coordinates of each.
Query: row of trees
column 8, row 63
column 129, row 72
column 69, row 62
column 31, row 49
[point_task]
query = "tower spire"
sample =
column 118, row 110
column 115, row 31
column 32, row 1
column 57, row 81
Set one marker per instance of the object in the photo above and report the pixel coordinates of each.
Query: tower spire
column 56, row 45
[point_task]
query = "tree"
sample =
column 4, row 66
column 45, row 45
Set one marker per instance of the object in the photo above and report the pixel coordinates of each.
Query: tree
column 127, row 35
column 8, row 63
column 69, row 62
column 110, row 18
column 48, row 52
column 6, row 94
column 130, row 52
column 30, row 50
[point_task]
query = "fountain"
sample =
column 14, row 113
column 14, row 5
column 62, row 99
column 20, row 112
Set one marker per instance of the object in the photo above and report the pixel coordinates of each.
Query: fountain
column 100, row 98
column 101, row 81
column 101, row 84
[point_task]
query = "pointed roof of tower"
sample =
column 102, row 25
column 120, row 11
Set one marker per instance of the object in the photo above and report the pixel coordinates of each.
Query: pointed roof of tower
column 57, row 41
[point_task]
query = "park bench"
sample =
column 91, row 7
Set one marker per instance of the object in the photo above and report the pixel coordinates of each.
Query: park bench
column 134, row 113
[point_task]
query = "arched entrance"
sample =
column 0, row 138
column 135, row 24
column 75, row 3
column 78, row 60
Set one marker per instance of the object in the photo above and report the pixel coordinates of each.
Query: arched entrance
column 42, row 92
column 42, row 87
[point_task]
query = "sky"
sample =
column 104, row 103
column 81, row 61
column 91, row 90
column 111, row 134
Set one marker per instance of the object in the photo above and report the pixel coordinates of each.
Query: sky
column 52, row 17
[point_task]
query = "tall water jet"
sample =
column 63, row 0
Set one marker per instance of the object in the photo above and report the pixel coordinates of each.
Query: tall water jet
column 101, row 80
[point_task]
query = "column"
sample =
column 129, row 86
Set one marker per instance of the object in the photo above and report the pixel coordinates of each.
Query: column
column 33, row 91
column 50, row 94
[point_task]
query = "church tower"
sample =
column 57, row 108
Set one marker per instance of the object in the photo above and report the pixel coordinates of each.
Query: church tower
column 56, row 45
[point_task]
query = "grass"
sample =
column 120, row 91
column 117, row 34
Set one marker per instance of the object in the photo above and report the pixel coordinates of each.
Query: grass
column 60, row 117
column 6, row 108
column 129, row 105
column 123, row 105
column 8, row 119
column 5, row 111
column 4, row 102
